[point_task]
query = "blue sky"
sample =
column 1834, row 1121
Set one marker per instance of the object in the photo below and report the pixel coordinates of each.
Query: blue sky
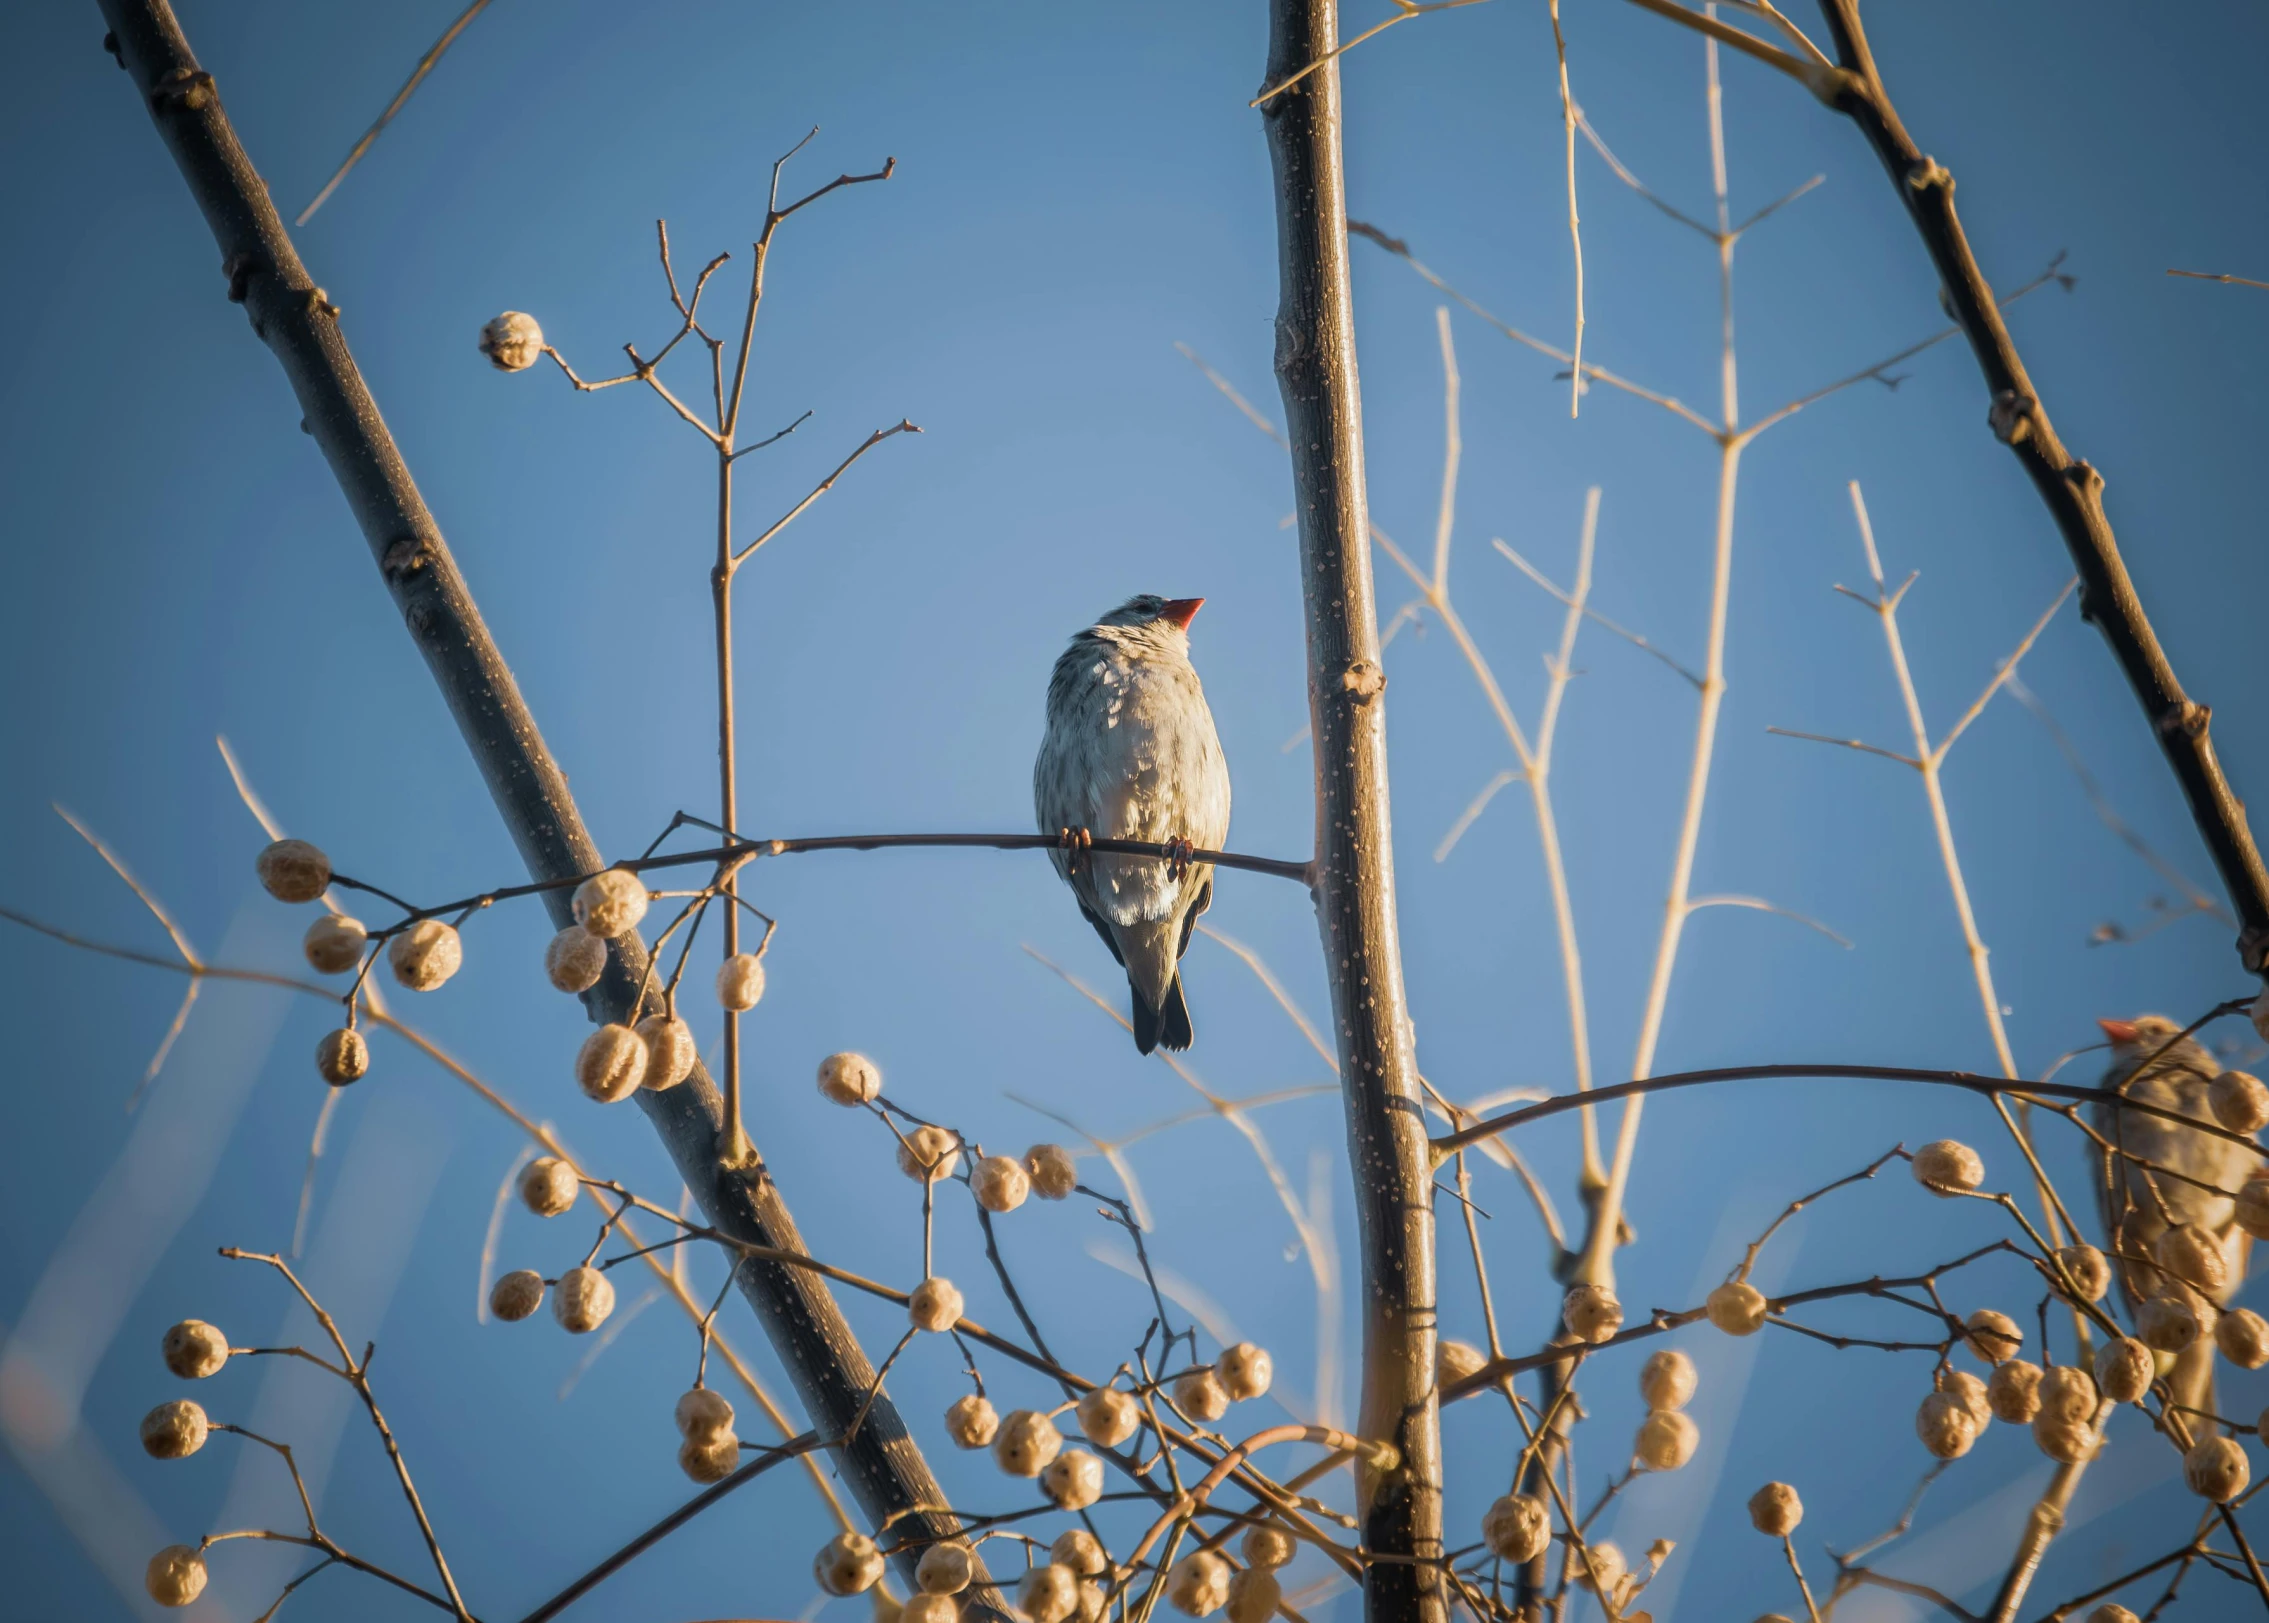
column 1077, row 191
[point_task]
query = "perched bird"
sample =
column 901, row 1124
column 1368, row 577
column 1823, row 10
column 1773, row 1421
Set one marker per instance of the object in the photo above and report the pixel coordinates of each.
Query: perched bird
column 2152, row 1063
column 1130, row 754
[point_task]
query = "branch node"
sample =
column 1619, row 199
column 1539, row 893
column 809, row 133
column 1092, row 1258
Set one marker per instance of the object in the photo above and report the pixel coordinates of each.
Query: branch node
column 404, row 559
column 184, row 88
column 1364, row 680
column 238, row 268
column 2189, row 719
column 1925, row 173
column 2083, row 477
column 2011, row 416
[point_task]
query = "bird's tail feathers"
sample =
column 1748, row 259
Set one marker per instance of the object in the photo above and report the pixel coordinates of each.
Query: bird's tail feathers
column 1167, row 1027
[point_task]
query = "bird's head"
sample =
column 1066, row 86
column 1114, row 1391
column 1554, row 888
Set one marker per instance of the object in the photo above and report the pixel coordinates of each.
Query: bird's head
column 2132, row 1039
column 1152, row 618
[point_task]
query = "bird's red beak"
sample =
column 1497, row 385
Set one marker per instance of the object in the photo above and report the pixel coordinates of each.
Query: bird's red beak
column 2119, row 1031
column 1182, row 610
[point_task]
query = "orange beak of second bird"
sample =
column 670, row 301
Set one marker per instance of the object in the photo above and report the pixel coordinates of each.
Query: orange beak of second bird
column 2119, row 1031
column 1182, row 610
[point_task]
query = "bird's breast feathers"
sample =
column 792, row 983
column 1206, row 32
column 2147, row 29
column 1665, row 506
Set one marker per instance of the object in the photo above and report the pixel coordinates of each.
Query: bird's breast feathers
column 1130, row 753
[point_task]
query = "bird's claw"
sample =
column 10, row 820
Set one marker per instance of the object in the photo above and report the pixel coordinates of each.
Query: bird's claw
column 1077, row 841
column 1178, row 855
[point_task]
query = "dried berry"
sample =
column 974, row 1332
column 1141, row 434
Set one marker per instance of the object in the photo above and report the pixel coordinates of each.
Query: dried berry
column 610, row 904
column 1027, row 1441
column 999, row 1183
column 946, row 1568
column 1254, row 1597
column 1591, row 1313
column 176, row 1575
column 582, row 1300
column 1269, row 1546
column 2112, row 1612
column 740, row 982
column 2125, row 1370
column 928, row 1154
column 930, row 1609
column 1948, row 1167
column 1517, row 1527
column 1199, row 1394
column 1199, row 1584
column 549, row 1186
column 1945, row 1425
column 2239, row 1102
column 710, row 1459
column 2216, row 1469
column 703, row 1413
column 342, row 1057
column 2166, row 1322
column 575, row 959
column 2015, row 1391
column 513, row 343
column 936, row 1305
column 516, row 1295
column 2253, row 1203
column 195, row 1349
column 425, row 955
column 1073, row 1480
column 334, row 944
column 1967, row 1390
column 174, row 1431
column 1599, row 1566
column 2088, row 1269
column 1738, row 1308
column 1992, row 1336
column 611, row 1063
column 1775, row 1510
column 670, row 1051
column 1245, row 1370
column 971, row 1422
column 1049, row 1593
column 2066, row 1441
column 293, row 871
column 1054, row 1173
column 848, row 1564
column 2243, row 1337
column 2069, row 1393
column 850, row 1079
column 1667, row 1440
column 1667, row 1380
column 1107, row 1416
column 1079, row 1550
column 1456, row 1361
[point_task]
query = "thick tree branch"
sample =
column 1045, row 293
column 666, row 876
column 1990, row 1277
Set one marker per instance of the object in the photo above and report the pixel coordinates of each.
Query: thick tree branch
column 289, row 313
column 1401, row 1508
column 2070, row 488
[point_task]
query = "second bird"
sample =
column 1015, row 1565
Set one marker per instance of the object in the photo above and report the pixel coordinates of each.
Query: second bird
column 1130, row 754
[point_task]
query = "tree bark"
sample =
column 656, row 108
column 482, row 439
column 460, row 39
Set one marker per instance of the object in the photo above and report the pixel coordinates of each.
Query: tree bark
column 2068, row 486
column 1401, row 1510
column 882, row 1463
